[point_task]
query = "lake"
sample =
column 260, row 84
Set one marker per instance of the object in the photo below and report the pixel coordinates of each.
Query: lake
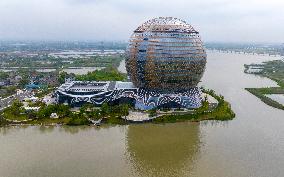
column 250, row 145
column 276, row 97
column 81, row 70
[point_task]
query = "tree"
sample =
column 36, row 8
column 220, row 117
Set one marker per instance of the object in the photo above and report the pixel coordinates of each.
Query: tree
column 63, row 110
column 3, row 75
column 23, row 82
column 31, row 115
column 102, row 75
column 153, row 112
column 105, row 109
column 16, row 107
column 204, row 107
column 62, row 76
column 125, row 110
column 95, row 114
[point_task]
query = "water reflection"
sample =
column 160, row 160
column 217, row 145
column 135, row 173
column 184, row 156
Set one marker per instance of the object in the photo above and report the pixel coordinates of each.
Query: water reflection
column 215, row 123
column 51, row 128
column 6, row 130
column 79, row 129
column 250, row 145
column 82, row 70
column 74, row 129
column 162, row 150
column 45, row 129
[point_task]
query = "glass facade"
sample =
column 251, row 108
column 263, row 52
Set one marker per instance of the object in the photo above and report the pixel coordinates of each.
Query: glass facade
column 165, row 54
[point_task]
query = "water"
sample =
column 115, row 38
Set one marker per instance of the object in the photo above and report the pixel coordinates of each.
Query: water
column 277, row 97
column 75, row 70
column 45, row 70
column 82, row 70
column 250, row 145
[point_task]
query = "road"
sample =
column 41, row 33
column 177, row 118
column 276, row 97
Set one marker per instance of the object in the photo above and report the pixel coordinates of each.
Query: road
column 6, row 102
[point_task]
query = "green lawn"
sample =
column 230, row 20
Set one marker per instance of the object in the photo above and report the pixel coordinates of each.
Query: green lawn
column 222, row 112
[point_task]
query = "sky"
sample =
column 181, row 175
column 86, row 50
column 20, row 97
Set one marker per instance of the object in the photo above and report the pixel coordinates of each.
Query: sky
column 115, row 20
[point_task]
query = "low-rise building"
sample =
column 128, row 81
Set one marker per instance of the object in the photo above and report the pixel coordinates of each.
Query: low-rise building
column 77, row 93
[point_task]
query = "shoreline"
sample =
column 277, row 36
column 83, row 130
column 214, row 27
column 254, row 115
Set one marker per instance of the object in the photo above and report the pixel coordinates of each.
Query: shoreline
column 273, row 71
column 220, row 112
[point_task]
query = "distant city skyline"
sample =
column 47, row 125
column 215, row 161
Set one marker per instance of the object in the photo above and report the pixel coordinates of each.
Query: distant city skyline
column 115, row 20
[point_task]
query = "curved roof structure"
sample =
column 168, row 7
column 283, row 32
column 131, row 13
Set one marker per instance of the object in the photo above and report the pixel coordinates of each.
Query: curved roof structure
column 166, row 24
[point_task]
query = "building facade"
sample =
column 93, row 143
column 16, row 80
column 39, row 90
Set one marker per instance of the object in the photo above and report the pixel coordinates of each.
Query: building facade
column 165, row 54
column 77, row 93
column 165, row 61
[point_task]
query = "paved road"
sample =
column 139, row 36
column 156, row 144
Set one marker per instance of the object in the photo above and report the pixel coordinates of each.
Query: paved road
column 6, row 102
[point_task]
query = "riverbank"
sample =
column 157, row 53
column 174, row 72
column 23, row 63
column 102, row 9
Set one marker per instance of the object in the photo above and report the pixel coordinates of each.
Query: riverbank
column 262, row 92
column 273, row 70
column 207, row 148
column 113, row 114
column 222, row 112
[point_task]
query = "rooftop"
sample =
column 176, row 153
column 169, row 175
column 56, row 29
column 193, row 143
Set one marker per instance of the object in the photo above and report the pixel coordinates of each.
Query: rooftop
column 91, row 86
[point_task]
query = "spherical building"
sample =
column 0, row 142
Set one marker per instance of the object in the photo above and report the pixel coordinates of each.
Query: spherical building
column 165, row 61
column 165, row 54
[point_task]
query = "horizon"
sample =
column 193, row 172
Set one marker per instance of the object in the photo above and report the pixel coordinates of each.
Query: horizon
column 126, row 41
column 92, row 20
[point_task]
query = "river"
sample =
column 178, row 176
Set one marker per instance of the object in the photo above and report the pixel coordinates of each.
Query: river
column 250, row 145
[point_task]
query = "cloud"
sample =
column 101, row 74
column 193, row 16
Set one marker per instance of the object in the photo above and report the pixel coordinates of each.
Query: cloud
column 217, row 20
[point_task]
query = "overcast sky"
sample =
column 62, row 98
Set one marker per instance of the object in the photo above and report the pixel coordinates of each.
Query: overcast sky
column 114, row 20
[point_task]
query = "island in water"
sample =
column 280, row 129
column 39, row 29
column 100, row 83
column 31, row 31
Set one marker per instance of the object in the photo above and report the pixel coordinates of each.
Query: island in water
column 274, row 70
column 35, row 111
column 161, row 84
